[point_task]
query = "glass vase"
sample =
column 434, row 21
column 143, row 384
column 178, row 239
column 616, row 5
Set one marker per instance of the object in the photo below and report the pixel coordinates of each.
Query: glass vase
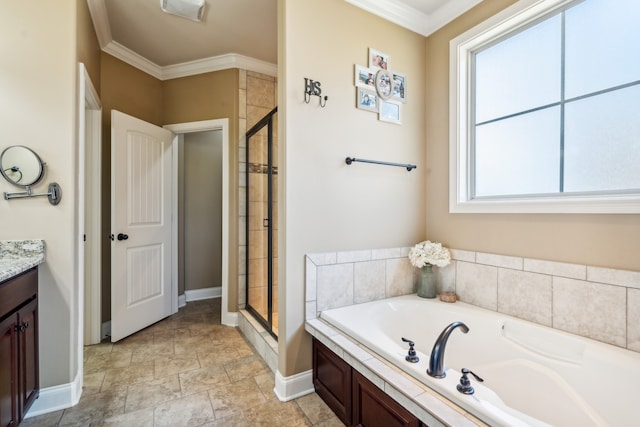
column 427, row 282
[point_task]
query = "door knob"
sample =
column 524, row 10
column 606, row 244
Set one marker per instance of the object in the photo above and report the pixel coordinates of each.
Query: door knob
column 122, row 236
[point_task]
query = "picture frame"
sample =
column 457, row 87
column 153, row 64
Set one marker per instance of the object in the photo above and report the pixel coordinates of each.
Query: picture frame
column 378, row 60
column 384, row 85
column 390, row 111
column 399, row 87
column 367, row 100
column 365, row 77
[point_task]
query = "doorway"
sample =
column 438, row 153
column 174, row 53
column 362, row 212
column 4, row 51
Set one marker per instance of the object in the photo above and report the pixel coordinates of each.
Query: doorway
column 200, row 192
column 179, row 130
column 262, row 214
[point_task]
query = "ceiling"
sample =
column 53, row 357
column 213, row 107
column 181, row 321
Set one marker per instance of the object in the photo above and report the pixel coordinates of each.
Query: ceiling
column 232, row 33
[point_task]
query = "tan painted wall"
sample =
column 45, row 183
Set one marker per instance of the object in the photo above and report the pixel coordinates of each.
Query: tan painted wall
column 205, row 97
column 326, row 205
column 202, row 210
column 600, row 240
column 88, row 49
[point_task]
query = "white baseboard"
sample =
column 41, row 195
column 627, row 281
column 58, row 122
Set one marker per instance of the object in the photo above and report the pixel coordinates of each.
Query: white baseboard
column 105, row 330
column 205, row 293
column 294, row 386
column 182, row 301
column 229, row 318
column 56, row 398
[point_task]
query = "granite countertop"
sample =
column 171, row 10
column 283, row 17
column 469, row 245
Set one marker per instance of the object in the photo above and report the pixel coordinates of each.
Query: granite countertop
column 17, row 256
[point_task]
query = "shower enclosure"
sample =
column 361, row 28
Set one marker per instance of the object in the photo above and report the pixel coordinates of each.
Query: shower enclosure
column 261, row 232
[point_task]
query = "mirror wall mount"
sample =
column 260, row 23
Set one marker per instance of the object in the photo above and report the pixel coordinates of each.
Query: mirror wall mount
column 54, row 194
column 21, row 166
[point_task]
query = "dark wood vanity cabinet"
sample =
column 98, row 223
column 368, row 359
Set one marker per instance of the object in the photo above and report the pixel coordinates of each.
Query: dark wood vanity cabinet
column 19, row 384
column 332, row 381
column 372, row 407
column 352, row 397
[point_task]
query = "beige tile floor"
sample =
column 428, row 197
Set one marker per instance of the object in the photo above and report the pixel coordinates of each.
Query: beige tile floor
column 187, row 370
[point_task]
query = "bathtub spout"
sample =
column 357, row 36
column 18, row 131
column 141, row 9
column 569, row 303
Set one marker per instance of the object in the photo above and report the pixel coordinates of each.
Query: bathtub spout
column 436, row 360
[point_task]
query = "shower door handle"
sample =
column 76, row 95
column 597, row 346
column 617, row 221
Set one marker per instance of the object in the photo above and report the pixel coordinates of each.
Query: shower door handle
column 265, row 222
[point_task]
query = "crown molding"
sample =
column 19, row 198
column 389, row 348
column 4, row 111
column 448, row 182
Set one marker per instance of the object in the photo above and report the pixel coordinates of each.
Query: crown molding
column 100, row 18
column 217, row 63
column 413, row 19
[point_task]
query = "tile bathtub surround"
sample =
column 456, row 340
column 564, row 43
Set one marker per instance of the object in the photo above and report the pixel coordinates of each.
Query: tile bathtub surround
column 595, row 302
column 338, row 279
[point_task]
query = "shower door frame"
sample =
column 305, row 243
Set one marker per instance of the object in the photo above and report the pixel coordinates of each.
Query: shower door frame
column 268, row 122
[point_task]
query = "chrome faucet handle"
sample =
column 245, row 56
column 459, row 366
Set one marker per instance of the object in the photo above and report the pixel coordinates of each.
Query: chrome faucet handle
column 412, row 356
column 465, row 385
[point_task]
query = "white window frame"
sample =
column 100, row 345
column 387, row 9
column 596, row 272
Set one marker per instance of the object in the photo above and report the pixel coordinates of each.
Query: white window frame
column 461, row 48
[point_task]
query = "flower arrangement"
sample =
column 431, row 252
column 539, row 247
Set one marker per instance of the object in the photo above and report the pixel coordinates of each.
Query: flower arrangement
column 429, row 253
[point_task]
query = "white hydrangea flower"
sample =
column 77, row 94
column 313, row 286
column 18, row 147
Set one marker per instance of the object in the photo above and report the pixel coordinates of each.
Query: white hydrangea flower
column 428, row 252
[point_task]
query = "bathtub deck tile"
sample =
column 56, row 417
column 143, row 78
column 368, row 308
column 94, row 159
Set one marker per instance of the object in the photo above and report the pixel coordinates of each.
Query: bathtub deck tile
column 403, row 385
column 352, row 348
column 368, row 373
column 413, row 407
column 430, row 403
column 393, row 376
column 330, row 344
column 322, row 327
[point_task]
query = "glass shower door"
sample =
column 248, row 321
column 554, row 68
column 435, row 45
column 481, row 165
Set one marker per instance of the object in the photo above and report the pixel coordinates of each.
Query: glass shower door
column 262, row 170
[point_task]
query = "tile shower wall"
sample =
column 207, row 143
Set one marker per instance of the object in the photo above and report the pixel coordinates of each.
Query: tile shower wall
column 257, row 97
column 595, row 302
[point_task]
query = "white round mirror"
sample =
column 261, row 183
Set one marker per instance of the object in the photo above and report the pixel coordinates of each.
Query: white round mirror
column 21, row 166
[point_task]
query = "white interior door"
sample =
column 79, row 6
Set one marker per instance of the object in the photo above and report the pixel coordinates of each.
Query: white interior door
column 141, row 205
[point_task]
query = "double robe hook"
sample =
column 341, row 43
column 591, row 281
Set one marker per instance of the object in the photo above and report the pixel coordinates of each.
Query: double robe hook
column 312, row 87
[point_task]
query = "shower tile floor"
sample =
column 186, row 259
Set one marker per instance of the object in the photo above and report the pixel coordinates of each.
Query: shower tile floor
column 186, row 370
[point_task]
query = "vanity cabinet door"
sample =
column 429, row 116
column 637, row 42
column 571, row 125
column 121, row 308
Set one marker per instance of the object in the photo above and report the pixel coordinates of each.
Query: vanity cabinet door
column 8, row 372
column 19, row 384
column 374, row 408
column 332, row 381
column 28, row 355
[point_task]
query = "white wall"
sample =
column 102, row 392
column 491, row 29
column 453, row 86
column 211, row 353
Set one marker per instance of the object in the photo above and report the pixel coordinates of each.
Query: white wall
column 326, row 205
column 37, row 109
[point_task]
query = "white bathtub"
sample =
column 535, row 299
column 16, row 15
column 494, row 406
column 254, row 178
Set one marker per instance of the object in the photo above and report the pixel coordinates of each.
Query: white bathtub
column 534, row 375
